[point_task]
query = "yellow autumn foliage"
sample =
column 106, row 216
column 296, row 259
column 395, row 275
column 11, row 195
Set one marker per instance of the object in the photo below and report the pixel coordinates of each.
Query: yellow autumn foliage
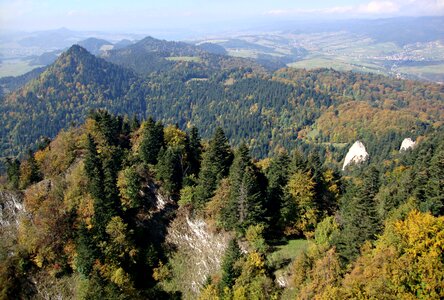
column 406, row 263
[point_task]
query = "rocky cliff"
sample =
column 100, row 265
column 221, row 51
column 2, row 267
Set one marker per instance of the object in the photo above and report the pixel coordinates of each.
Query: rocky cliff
column 356, row 154
column 199, row 249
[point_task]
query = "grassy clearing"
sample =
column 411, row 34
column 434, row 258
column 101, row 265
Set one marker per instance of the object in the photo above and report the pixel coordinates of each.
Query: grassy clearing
column 185, row 58
column 313, row 134
column 244, row 53
column 283, row 254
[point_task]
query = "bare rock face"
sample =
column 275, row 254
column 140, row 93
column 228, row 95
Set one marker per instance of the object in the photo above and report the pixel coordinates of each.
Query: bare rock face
column 201, row 248
column 356, row 154
column 407, row 144
column 10, row 208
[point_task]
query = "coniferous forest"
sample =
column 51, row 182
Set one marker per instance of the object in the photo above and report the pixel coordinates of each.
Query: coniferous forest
column 99, row 199
column 217, row 178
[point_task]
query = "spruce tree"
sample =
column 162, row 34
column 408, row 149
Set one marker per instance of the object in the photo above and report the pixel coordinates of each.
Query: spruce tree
column 13, row 172
column 134, row 123
column 108, row 124
column 216, row 162
column 359, row 214
column 152, row 141
column 435, row 184
column 86, row 250
column 229, row 271
column 35, row 175
column 194, row 151
column 100, row 189
column 169, row 170
column 111, row 166
column 246, row 200
column 277, row 175
column 93, row 169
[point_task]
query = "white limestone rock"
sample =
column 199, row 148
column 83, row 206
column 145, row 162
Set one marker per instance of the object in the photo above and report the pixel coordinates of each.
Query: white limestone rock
column 356, row 154
column 407, row 144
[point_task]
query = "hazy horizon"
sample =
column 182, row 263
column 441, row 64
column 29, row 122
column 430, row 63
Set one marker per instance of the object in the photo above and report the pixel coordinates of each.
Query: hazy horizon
column 196, row 15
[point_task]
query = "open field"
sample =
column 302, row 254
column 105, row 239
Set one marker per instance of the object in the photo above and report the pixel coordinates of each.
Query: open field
column 342, row 51
column 433, row 72
column 15, row 67
column 337, row 64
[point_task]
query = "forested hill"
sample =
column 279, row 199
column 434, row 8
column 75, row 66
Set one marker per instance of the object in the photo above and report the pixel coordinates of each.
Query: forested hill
column 288, row 108
column 152, row 55
column 63, row 94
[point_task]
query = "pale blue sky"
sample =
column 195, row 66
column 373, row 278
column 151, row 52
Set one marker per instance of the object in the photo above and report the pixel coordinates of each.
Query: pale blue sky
column 139, row 15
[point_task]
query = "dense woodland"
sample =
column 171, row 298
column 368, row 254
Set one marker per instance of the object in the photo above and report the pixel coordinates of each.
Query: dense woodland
column 107, row 158
column 185, row 85
column 94, row 228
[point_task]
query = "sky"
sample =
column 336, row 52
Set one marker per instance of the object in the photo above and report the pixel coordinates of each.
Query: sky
column 133, row 15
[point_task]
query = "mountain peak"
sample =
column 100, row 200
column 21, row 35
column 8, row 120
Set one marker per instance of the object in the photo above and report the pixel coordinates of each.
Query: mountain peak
column 77, row 49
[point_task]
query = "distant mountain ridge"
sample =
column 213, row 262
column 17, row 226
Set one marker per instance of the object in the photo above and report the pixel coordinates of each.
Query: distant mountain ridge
column 94, row 45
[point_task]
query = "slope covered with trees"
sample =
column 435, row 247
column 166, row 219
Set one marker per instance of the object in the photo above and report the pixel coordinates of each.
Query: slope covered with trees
column 99, row 198
column 267, row 111
column 63, row 94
